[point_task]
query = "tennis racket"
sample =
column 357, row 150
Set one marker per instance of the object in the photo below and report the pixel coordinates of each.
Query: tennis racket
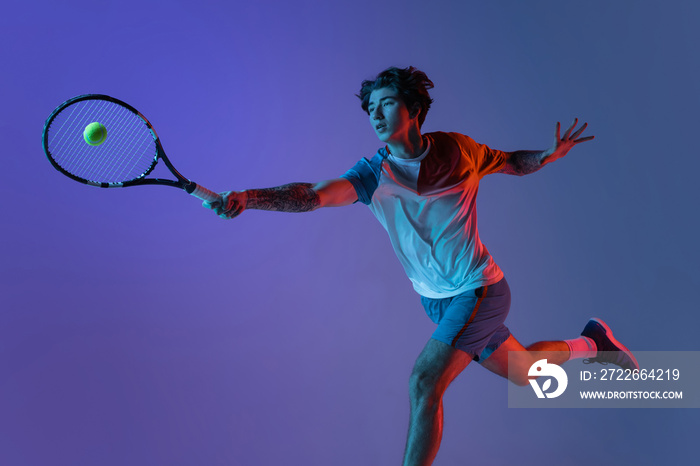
column 129, row 153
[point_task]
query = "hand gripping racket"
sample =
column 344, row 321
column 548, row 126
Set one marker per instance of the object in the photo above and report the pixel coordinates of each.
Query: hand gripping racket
column 126, row 156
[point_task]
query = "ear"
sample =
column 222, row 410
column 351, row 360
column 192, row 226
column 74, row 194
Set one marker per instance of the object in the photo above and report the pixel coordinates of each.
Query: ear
column 414, row 111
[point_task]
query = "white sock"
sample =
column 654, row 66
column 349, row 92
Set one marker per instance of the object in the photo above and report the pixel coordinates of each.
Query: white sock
column 581, row 347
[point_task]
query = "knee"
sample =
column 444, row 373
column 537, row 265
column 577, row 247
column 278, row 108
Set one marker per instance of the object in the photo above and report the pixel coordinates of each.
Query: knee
column 423, row 386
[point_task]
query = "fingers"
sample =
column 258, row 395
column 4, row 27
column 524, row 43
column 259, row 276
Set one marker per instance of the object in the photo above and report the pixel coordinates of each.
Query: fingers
column 588, row 138
column 217, row 204
column 573, row 137
column 211, row 205
column 221, row 211
column 232, row 205
column 568, row 131
column 580, row 130
column 228, row 207
column 221, row 208
column 232, row 213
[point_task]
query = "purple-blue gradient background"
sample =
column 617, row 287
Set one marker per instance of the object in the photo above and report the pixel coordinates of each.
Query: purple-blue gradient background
column 138, row 328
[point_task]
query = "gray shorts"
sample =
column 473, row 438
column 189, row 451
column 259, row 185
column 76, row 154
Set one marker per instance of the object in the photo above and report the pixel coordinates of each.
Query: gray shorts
column 472, row 321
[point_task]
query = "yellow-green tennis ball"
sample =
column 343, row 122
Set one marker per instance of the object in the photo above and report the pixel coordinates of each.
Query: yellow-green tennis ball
column 95, row 133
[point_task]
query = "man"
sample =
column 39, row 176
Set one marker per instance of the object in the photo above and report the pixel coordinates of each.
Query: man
column 423, row 188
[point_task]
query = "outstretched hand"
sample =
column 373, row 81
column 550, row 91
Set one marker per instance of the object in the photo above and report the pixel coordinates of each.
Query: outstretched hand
column 232, row 204
column 563, row 144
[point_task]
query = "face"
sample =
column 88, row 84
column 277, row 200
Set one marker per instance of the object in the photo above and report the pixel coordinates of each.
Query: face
column 389, row 116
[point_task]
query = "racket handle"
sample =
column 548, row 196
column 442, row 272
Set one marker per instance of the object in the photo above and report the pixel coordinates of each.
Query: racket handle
column 203, row 193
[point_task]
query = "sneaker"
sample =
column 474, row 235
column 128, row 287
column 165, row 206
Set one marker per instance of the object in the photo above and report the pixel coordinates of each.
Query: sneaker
column 609, row 349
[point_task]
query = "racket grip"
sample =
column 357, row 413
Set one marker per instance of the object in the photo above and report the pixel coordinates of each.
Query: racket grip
column 204, row 194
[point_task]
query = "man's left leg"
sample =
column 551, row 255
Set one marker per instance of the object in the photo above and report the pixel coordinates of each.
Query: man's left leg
column 521, row 358
column 596, row 343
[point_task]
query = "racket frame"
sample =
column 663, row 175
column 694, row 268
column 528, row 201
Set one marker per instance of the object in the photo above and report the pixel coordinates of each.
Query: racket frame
column 183, row 183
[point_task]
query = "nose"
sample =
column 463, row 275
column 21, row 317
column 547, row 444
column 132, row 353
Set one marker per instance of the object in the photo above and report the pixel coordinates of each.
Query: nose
column 376, row 114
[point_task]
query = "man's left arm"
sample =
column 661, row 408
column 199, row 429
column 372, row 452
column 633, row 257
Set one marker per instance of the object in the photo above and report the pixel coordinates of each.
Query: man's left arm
column 524, row 162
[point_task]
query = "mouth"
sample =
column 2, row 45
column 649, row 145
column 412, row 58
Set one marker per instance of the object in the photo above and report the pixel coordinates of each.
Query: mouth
column 380, row 127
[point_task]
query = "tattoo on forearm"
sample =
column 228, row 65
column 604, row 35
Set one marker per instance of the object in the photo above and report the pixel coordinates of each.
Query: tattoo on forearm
column 293, row 197
column 523, row 162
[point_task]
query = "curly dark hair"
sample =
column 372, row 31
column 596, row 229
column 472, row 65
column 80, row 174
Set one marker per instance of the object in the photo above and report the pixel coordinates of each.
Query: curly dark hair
column 410, row 83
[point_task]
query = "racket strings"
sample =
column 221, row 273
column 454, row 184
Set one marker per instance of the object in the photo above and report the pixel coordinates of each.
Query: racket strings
column 128, row 152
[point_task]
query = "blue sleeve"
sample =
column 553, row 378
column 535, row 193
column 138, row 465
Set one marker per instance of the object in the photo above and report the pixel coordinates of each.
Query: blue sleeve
column 364, row 176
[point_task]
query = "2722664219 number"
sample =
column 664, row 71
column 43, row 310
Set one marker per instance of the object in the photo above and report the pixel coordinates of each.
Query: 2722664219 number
column 641, row 374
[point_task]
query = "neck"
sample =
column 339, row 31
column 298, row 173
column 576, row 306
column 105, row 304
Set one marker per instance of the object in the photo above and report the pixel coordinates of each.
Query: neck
column 408, row 148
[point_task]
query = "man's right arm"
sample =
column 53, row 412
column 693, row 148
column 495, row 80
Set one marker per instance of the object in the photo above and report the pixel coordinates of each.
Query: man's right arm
column 293, row 197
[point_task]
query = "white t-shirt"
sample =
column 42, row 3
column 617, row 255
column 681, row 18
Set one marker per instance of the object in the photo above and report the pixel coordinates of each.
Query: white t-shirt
column 428, row 207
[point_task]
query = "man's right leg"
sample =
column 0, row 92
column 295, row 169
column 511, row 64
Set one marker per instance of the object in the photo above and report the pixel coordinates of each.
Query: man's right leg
column 436, row 367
